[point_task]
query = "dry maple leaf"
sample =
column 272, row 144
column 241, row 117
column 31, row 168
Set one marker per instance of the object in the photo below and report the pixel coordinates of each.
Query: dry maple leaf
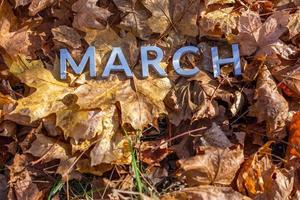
column 185, row 16
column 160, row 19
column 135, row 17
column 89, row 15
column 275, row 106
column 213, row 166
column 47, row 98
column 263, row 38
column 217, row 160
column 193, row 99
column 224, row 19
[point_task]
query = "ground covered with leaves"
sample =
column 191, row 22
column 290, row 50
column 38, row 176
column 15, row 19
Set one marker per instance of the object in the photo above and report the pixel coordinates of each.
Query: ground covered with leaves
column 165, row 138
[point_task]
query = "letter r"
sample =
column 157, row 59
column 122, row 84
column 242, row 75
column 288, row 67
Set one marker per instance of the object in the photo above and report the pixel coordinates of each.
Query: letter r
column 78, row 69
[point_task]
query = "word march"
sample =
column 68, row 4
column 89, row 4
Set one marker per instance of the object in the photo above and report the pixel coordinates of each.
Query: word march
column 146, row 63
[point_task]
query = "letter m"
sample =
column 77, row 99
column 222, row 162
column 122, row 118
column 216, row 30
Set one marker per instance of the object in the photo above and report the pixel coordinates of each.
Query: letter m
column 65, row 57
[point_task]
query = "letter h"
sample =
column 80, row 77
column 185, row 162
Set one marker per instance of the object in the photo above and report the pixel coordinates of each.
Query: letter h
column 217, row 62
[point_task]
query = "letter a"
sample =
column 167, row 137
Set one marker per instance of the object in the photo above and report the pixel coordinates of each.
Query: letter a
column 110, row 66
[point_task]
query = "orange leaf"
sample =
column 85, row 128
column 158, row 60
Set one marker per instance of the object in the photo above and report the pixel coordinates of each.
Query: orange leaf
column 294, row 140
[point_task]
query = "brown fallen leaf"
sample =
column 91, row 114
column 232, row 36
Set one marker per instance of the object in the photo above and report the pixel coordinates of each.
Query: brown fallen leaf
column 20, row 181
column 161, row 18
column 289, row 76
column 89, row 15
column 3, row 186
column 263, row 38
column 150, row 154
column 275, row 110
column 205, row 193
column 224, row 19
column 294, row 24
column 194, row 98
column 39, row 5
column 8, row 129
column 13, row 38
column 135, row 18
column 212, row 166
column 185, row 16
column 84, row 166
column 278, row 184
column 250, row 178
column 48, row 149
column 67, row 35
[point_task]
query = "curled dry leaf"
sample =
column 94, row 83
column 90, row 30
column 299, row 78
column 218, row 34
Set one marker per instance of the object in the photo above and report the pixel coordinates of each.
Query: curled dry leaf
column 276, row 107
column 278, row 184
column 207, row 193
column 195, row 98
column 89, row 15
column 250, row 178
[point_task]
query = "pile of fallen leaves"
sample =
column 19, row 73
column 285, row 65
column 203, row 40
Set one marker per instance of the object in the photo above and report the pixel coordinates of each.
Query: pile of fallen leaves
column 156, row 138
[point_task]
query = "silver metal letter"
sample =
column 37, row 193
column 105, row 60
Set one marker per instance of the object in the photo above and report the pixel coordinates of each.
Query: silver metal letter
column 218, row 62
column 155, row 63
column 110, row 66
column 176, row 61
column 78, row 69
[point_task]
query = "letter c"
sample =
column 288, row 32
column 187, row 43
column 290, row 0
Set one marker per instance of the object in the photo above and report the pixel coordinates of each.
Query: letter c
column 176, row 61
